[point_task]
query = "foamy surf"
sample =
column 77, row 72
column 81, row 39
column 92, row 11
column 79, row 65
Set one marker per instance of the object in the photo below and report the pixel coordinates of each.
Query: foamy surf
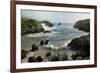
column 45, row 27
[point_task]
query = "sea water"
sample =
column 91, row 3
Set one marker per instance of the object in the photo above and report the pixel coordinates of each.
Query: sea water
column 59, row 36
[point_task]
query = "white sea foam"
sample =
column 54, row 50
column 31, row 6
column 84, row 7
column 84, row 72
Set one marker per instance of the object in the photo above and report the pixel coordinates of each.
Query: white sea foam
column 50, row 46
column 66, row 43
column 45, row 27
column 41, row 34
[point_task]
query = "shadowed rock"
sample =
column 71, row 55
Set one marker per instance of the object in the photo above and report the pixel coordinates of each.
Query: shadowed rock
column 75, row 56
column 32, row 59
column 46, row 42
column 39, row 59
column 23, row 53
column 81, row 44
column 34, row 47
column 83, row 25
column 48, row 54
column 41, row 42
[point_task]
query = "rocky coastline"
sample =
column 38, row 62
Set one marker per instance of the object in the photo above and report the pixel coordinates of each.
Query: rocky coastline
column 33, row 26
column 80, row 46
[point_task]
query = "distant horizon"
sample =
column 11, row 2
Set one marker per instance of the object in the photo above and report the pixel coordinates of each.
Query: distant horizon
column 55, row 16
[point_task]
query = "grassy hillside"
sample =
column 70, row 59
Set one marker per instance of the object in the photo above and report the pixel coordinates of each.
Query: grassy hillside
column 32, row 26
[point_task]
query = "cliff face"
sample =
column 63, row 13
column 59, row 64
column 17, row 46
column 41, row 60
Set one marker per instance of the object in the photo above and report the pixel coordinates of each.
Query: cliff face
column 32, row 26
column 82, row 43
column 83, row 25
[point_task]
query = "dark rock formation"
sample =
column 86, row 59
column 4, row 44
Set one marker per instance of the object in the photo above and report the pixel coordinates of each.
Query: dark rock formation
column 46, row 42
column 46, row 31
column 34, row 47
column 79, row 58
column 30, row 26
column 48, row 54
column 32, row 59
column 47, row 23
column 81, row 44
column 23, row 53
column 33, row 26
column 63, row 57
column 75, row 56
column 41, row 42
column 83, row 25
column 55, row 58
column 59, row 23
column 39, row 59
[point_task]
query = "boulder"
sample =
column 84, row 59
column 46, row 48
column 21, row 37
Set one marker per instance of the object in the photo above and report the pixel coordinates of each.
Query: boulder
column 64, row 57
column 75, row 56
column 23, row 53
column 32, row 59
column 47, row 23
column 79, row 58
column 34, row 47
column 48, row 54
column 81, row 44
column 39, row 59
column 83, row 25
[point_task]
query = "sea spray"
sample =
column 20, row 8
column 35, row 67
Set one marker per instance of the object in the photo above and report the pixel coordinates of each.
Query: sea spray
column 45, row 27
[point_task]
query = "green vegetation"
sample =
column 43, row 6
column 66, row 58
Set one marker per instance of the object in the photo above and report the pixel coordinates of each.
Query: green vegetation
column 32, row 26
column 25, row 21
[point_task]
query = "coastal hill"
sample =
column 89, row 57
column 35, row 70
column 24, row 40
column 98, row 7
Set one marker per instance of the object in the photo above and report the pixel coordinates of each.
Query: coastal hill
column 82, row 43
column 83, row 25
column 33, row 26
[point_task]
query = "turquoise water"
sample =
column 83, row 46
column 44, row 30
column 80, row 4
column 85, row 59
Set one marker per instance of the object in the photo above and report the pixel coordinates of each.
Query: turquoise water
column 59, row 36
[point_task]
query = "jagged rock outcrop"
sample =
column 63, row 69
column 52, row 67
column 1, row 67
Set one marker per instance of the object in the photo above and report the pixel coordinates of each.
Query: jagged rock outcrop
column 81, row 44
column 83, row 25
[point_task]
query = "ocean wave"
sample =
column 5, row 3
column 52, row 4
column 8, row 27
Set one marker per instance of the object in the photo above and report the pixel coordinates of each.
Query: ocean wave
column 45, row 27
column 50, row 46
column 41, row 34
